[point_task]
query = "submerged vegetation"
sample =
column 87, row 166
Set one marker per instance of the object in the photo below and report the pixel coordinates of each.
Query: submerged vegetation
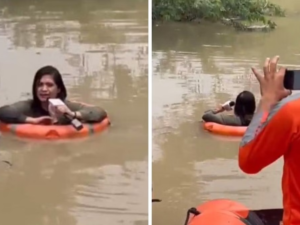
column 241, row 14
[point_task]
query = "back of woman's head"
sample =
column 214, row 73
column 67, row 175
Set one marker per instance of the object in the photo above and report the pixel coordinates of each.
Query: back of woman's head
column 57, row 78
column 244, row 104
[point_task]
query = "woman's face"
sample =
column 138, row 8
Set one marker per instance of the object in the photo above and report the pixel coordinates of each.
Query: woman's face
column 46, row 88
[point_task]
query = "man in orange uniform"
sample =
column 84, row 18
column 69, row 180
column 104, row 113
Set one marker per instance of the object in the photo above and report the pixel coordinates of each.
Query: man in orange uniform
column 274, row 132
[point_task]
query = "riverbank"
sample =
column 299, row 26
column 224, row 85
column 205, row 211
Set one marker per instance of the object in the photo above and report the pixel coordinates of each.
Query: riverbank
column 247, row 15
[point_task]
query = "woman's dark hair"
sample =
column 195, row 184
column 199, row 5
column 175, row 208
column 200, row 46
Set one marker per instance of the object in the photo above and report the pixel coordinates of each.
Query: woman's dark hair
column 49, row 70
column 244, row 104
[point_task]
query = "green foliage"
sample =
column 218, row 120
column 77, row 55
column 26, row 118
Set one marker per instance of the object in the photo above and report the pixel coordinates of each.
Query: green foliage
column 215, row 10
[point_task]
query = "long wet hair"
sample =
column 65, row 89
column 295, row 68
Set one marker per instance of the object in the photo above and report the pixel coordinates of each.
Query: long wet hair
column 244, row 104
column 48, row 70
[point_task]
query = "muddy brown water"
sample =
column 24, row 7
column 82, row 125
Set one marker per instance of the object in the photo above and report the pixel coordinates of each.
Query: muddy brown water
column 196, row 67
column 102, row 51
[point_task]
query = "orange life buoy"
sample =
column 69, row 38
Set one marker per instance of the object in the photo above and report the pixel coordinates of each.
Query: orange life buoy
column 218, row 218
column 222, row 209
column 220, row 129
column 52, row 132
column 224, row 204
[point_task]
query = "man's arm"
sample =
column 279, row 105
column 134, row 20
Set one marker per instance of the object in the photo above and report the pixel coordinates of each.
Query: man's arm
column 268, row 136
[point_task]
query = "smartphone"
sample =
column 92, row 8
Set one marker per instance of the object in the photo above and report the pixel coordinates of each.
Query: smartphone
column 292, row 80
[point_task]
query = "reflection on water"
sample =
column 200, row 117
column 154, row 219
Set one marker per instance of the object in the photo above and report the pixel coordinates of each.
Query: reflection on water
column 201, row 66
column 101, row 50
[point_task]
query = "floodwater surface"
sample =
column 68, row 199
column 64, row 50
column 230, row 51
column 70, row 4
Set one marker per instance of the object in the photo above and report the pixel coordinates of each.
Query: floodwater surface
column 197, row 67
column 101, row 49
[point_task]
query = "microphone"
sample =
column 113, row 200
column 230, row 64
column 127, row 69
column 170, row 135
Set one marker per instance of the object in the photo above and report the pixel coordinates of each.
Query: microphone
column 53, row 102
column 231, row 103
column 228, row 105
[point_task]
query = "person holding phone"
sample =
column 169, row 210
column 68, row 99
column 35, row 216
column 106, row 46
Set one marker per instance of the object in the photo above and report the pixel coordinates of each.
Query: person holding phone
column 275, row 132
column 244, row 108
column 48, row 83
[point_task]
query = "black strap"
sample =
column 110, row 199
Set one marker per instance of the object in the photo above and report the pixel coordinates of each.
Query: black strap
column 193, row 211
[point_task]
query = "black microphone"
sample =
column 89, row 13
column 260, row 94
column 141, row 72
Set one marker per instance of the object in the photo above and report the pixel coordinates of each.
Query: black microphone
column 229, row 103
column 74, row 122
column 232, row 103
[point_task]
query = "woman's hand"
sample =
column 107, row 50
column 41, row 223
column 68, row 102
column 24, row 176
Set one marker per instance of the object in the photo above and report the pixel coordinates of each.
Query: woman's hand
column 62, row 110
column 219, row 109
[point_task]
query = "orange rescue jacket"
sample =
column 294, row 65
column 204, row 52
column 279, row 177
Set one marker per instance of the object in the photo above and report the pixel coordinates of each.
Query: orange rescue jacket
column 269, row 136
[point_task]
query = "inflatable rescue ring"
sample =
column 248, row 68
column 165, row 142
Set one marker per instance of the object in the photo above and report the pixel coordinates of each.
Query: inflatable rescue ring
column 220, row 129
column 53, row 132
column 222, row 212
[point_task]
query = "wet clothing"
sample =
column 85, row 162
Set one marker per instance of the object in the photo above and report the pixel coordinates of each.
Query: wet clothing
column 17, row 112
column 269, row 136
column 229, row 120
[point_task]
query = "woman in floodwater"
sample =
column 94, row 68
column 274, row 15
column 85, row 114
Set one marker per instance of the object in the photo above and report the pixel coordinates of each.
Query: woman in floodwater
column 243, row 112
column 48, row 83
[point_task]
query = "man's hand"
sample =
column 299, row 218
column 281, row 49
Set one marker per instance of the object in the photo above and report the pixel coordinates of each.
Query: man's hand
column 271, row 82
